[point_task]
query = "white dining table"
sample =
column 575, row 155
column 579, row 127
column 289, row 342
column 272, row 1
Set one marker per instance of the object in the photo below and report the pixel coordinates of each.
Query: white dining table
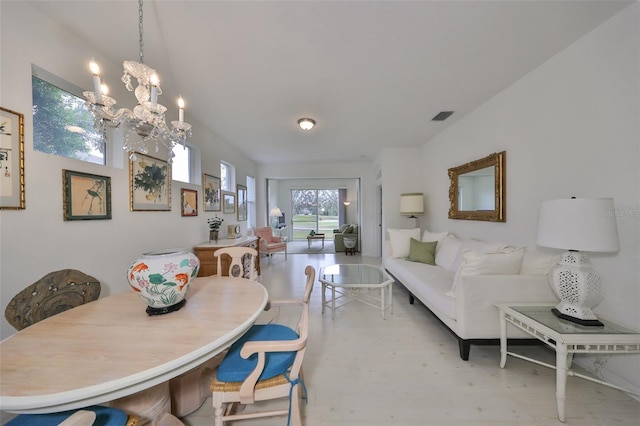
column 110, row 348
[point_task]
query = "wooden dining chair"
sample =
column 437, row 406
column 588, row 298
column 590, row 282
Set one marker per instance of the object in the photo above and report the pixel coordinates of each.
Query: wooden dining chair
column 265, row 364
column 97, row 414
column 242, row 263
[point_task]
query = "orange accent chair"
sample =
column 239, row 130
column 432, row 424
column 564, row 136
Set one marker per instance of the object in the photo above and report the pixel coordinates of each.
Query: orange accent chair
column 270, row 244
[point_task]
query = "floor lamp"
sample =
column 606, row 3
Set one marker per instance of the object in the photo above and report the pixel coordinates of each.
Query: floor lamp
column 578, row 225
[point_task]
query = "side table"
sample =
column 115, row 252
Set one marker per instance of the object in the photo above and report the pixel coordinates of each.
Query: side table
column 566, row 338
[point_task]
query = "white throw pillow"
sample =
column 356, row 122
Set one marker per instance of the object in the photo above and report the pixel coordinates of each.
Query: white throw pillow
column 400, row 240
column 476, row 245
column 449, row 248
column 508, row 261
column 434, row 236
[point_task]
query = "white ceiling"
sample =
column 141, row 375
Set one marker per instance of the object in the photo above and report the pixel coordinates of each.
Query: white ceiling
column 371, row 73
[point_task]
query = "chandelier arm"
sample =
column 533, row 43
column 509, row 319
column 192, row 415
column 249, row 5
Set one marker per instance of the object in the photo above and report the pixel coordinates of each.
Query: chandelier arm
column 140, row 33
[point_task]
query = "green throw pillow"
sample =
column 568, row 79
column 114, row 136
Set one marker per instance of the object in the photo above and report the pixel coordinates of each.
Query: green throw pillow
column 422, row 252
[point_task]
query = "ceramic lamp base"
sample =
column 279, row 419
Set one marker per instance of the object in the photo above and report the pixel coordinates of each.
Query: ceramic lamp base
column 586, row 322
column 165, row 309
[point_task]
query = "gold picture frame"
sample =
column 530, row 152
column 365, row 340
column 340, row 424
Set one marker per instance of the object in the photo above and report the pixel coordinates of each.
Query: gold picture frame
column 86, row 196
column 241, row 202
column 211, row 193
column 149, row 184
column 228, row 202
column 11, row 160
column 189, row 202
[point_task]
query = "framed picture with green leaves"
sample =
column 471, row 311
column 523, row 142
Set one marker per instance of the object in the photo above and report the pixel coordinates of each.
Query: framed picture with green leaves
column 149, row 183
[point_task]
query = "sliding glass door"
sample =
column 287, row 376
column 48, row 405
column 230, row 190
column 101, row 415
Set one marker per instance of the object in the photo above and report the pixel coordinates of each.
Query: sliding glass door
column 314, row 210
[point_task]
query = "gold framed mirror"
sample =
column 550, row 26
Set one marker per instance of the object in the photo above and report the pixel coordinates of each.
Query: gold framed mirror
column 477, row 189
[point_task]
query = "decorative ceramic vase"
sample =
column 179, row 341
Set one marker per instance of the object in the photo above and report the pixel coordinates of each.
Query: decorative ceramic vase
column 161, row 278
column 213, row 235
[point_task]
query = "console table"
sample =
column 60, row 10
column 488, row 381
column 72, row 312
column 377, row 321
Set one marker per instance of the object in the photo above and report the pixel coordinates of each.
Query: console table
column 209, row 262
column 566, row 338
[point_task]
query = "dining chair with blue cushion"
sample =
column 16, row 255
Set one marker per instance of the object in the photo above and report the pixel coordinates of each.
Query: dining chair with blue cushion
column 265, row 363
column 104, row 416
column 242, row 262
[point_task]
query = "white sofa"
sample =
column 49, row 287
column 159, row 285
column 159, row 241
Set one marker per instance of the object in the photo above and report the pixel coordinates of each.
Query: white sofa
column 468, row 278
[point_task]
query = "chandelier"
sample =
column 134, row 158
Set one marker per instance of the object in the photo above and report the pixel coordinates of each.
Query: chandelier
column 145, row 124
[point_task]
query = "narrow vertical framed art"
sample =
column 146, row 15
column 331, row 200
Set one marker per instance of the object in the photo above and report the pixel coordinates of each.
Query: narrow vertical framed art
column 241, row 202
column 11, row 159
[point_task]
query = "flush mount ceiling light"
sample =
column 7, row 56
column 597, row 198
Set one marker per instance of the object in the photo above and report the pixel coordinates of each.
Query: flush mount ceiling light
column 306, row 123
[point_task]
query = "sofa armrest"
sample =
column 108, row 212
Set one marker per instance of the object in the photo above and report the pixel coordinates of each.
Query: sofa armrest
column 477, row 317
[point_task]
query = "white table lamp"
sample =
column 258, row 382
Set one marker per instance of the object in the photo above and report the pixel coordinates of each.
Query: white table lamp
column 275, row 213
column 412, row 205
column 578, row 224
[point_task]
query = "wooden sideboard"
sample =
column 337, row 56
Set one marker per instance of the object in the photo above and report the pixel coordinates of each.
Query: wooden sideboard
column 209, row 262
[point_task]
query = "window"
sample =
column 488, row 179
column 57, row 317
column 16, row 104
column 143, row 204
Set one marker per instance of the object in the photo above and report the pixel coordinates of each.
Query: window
column 181, row 165
column 313, row 210
column 227, row 177
column 251, row 202
column 61, row 123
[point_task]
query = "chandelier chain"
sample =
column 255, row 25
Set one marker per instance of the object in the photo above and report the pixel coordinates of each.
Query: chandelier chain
column 141, row 33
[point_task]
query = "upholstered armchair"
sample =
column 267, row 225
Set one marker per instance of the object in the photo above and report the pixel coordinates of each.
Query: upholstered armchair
column 270, row 244
column 345, row 231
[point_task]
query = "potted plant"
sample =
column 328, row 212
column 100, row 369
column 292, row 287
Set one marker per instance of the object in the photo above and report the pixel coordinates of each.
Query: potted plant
column 214, row 227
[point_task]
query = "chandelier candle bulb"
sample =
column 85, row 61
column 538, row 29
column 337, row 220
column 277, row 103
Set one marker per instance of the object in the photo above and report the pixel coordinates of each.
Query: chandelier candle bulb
column 104, row 89
column 181, row 109
column 95, row 71
column 155, row 81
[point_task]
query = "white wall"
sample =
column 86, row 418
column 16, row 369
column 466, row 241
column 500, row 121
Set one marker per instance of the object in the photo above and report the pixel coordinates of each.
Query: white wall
column 570, row 128
column 36, row 241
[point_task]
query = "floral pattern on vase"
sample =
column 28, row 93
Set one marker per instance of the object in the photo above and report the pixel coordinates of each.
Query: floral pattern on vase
column 162, row 278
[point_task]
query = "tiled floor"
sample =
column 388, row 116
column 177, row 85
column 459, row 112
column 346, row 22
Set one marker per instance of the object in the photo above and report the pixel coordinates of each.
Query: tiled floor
column 405, row 370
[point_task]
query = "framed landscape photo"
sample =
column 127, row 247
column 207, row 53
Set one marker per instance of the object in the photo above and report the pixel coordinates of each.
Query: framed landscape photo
column 211, row 192
column 149, row 183
column 86, row 196
column 11, row 159
column 189, row 205
column 228, row 203
column 242, row 202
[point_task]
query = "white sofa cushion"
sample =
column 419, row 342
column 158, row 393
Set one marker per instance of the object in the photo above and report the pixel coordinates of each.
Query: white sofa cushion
column 537, row 263
column 446, row 256
column 477, row 246
column 434, row 236
column 505, row 262
column 400, row 241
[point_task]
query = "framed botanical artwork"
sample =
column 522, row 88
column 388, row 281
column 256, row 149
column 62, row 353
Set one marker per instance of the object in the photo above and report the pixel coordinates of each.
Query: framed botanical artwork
column 242, row 202
column 149, row 183
column 211, row 193
column 228, row 202
column 189, row 204
column 86, row 196
column 11, row 159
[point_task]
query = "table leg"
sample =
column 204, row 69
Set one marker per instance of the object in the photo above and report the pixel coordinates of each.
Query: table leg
column 308, row 243
column 391, row 297
column 382, row 301
column 561, row 378
column 503, row 339
column 323, row 243
column 333, row 301
column 324, row 298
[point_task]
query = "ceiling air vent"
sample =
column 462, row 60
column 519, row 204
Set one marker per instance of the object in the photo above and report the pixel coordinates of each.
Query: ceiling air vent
column 442, row 115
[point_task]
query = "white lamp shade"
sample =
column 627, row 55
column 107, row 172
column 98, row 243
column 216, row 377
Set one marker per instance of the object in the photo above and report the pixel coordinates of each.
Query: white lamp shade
column 412, row 204
column 585, row 224
column 275, row 212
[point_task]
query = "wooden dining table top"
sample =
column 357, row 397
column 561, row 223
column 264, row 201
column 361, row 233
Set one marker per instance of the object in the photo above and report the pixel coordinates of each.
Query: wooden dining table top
column 111, row 348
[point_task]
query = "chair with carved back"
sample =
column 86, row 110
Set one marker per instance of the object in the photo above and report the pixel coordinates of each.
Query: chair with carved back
column 242, row 262
column 265, row 364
